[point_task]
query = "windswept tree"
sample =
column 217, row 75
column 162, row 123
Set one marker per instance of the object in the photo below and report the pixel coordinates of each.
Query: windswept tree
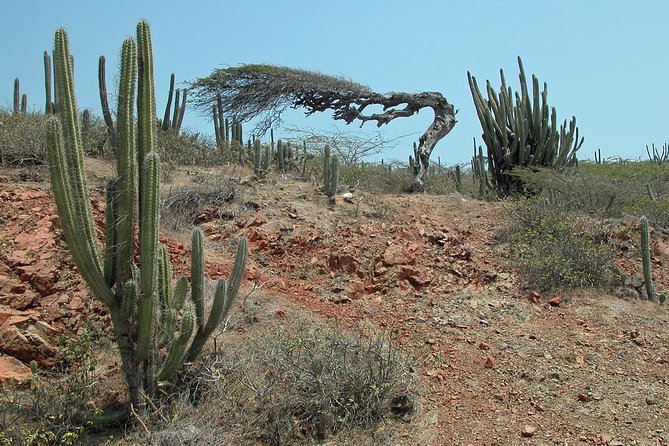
column 266, row 91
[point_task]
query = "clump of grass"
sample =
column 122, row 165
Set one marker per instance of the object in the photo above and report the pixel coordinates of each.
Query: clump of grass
column 557, row 248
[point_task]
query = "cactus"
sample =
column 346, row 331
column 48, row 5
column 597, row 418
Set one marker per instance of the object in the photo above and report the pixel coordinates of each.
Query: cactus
column 147, row 313
column 458, row 178
column 645, row 256
column 106, row 113
column 330, row 175
column 657, row 156
column 523, row 132
column 257, row 158
column 48, row 105
column 20, row 101
column 174, row 125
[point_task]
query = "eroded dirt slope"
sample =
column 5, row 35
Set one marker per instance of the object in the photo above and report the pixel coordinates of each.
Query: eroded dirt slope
column 500, row 364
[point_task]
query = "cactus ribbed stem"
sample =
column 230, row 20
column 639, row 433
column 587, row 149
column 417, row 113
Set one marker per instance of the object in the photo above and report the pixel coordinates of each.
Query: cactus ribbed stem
column 48, row 105
column 645, row 256
column 126, row 160
column 149, row 225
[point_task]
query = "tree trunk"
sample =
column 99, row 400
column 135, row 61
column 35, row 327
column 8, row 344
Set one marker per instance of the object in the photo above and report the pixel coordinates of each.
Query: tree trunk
column 444, row 121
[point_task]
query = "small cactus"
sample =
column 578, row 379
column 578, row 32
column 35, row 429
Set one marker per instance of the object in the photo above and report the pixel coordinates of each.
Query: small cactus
column 645, row 256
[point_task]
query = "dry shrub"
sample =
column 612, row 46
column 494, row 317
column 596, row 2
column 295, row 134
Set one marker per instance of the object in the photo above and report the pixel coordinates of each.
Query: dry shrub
column 289, row 388
column 555, row 248
column 184, row 207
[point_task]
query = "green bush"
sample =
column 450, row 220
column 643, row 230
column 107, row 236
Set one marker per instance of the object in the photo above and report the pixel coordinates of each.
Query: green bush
column 556, row 248
column 22, row 138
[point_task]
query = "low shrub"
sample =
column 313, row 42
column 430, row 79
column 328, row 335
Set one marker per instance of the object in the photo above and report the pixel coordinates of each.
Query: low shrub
column 556, row 248
column 22, row 138
column 289, row 388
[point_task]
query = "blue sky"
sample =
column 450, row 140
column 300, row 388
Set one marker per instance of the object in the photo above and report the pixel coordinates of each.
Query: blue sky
column 606, row 62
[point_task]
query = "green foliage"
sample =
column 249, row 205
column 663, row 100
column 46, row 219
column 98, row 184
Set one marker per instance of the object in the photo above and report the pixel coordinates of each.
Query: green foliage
column 555, row 248
column 520, row 130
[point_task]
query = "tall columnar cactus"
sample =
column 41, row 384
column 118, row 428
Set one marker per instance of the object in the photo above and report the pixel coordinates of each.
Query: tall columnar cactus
column 104, row 103
column 645, row 256
column 174, row 125
column 522, row 131
column 48, row 105
column 20, row 101
column 330, row 174
column 149, row 315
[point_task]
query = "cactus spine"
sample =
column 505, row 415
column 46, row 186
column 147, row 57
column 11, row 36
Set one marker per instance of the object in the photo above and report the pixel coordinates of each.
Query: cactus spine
column 645, row 255
column 147, row 313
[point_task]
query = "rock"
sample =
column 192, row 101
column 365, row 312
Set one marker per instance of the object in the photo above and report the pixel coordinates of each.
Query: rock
column 651, row 400
column 484, row 346
column 343, row 262
column 555, row 302
column 11, row 369
column 27, row 346
column 586, row 398
column 528, row 431
column 489, row 362
column 535, row 297
column 347, row 197
column 397, row 255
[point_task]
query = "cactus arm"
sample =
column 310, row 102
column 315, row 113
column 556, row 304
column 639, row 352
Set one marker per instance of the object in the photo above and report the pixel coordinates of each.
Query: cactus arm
column 237, row 273
column 146, row 98
column 197, row 276
column 126, row 160
column 168, row 106
column 175, row 357
column 645, row 255
column 73, row 148
column 148, row 228
column 111, row 233
column 182, row 111
column 60, row 184
column 106, row 114
column 48, row 106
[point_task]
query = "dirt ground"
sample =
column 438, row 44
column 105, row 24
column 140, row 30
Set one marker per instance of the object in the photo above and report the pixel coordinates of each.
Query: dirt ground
column 499, row 363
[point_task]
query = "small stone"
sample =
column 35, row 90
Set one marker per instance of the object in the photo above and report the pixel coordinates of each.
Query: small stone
column 489, row 362
column 651, row 400
column 484, row 346
column 535, row 297
column 528, row 431
column 586, row 398
column 555, row 302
